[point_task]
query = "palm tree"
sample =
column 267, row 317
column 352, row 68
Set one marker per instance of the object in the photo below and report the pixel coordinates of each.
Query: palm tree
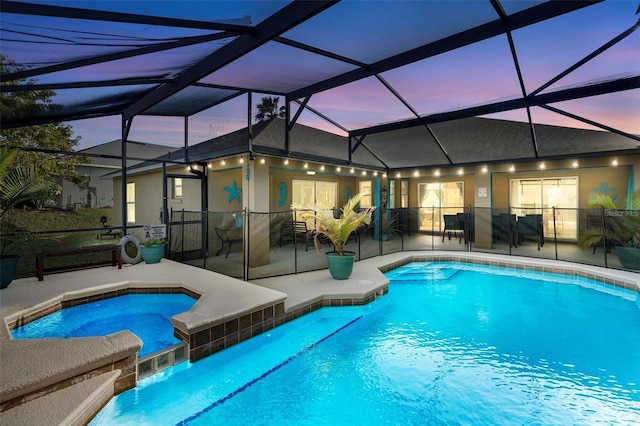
column 17, row 184
column 268, row 109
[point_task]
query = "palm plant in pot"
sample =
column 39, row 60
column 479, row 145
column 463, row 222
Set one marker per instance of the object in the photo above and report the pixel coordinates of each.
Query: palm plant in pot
column 153, row 249
column 17, row 184
column 337, row 230
column 621, row 229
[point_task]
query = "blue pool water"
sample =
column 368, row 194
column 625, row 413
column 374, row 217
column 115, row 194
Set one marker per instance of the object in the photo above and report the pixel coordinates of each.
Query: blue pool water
column 449, row 344
column 145, row 315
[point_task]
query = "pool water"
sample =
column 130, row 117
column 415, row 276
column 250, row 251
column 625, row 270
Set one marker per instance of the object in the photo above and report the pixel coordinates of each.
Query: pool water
column 449, row 344
column 145, row 315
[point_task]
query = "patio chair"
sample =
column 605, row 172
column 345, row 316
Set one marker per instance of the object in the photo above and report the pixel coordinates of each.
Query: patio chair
column 295, row 231
column 452, row 225
column 531, row 224
column 505, row 227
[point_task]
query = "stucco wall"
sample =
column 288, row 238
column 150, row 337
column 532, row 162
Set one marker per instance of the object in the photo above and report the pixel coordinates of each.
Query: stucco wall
column 588, row 179
column 219, row 198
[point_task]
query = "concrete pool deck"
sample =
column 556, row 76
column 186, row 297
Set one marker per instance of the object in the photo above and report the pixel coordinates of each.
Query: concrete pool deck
column 23, row 363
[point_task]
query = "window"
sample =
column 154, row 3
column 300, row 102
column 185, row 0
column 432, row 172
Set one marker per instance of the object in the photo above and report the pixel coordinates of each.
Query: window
column 437, row 199
column 392, row 194
column 365, row 186
column 404, row 193
column 535, row 196
column 177, row 188
column 307, row 194
column 131, row 202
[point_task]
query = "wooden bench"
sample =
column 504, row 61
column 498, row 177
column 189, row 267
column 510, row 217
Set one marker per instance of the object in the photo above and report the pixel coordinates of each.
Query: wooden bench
column 116, row 258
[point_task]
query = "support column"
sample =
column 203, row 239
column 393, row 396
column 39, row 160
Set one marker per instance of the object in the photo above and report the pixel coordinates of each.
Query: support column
column 482, row 211
column 255, row 198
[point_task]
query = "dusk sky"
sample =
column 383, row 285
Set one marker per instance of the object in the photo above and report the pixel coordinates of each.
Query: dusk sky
column 472, row 75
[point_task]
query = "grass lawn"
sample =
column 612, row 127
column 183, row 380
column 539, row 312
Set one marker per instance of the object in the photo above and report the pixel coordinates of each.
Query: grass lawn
column 58, row 229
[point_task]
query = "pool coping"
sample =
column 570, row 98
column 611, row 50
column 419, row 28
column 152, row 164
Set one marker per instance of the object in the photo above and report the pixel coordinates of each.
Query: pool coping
column 227, row 311
column 297, row 294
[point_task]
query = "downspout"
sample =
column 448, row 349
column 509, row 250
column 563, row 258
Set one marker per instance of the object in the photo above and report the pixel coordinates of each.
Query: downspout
column 126, row 127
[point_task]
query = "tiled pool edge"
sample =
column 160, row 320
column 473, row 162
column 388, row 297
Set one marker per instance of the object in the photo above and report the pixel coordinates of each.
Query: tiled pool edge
column 53, row 305
column 128, row 367
column 217, row 337
column 565, row 269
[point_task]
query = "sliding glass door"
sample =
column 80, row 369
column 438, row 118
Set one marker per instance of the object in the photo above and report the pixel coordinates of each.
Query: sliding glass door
column 539, row 196
column 437, row 199
column 307, row 194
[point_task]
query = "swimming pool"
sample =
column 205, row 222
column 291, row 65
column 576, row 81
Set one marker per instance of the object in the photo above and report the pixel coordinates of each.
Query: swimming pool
column 451, row 343
column 145, row 315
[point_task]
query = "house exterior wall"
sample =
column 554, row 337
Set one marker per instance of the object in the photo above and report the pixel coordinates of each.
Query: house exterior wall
column 591, row 174
column 148, row 199
column 286, row 174
column 221, row 199
column 101, row 190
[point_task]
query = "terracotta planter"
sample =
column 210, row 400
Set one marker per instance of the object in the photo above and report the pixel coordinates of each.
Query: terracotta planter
column 340, row 267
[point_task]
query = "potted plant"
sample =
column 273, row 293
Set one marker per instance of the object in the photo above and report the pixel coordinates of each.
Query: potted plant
column 337, row 230
column 153, row 249
column 622, row 229
column 17, row 184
